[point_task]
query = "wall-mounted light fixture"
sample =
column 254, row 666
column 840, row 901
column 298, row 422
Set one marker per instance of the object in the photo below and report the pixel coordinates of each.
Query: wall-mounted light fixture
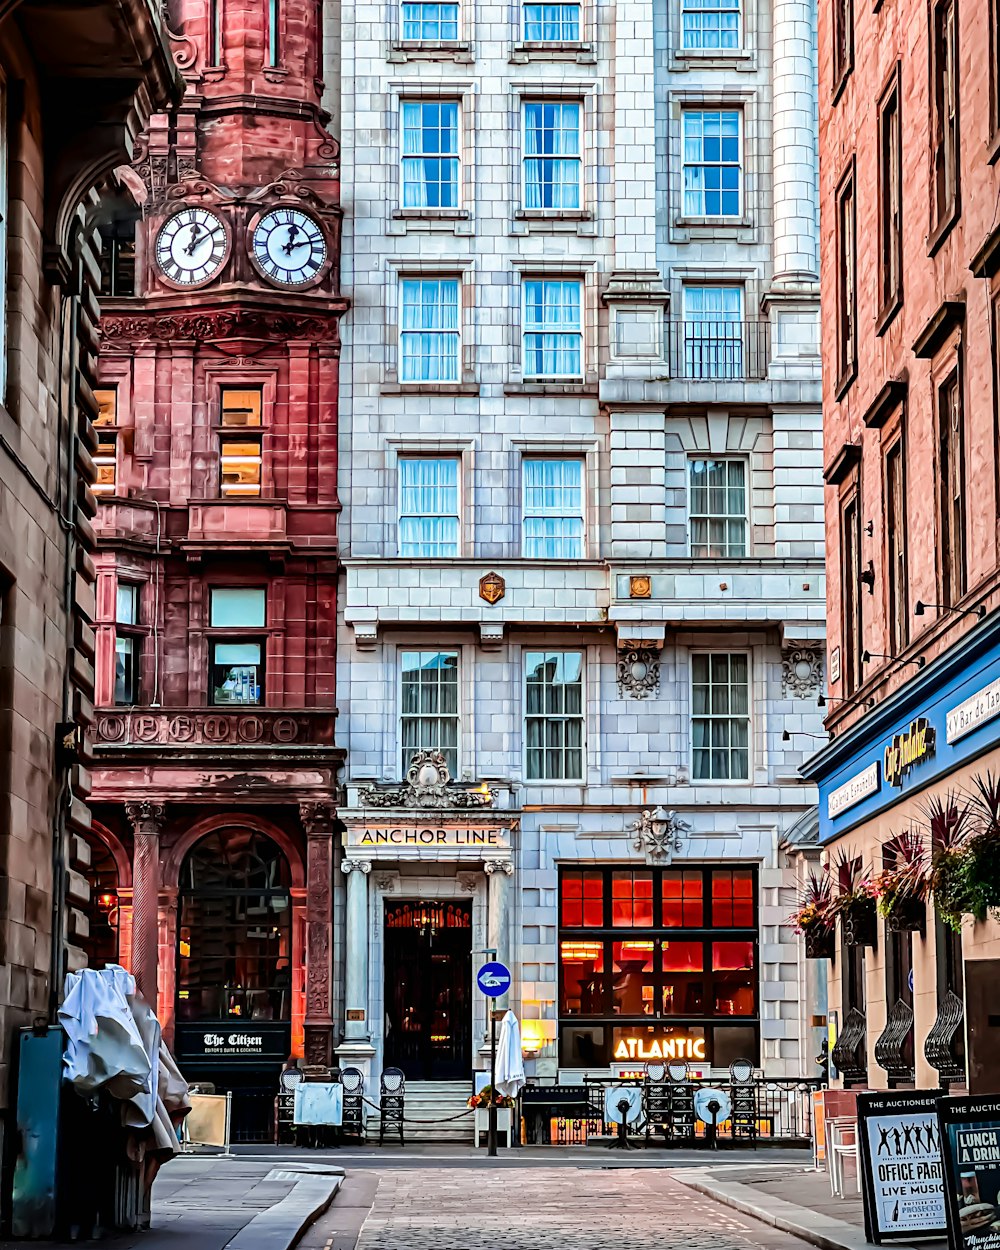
column 801, row 733
column 979, row 611
column 824, row 699
column 867, row 656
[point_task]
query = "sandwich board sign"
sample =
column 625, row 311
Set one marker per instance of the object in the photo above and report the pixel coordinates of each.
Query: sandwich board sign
column 970, row 1150
column 900, row 1150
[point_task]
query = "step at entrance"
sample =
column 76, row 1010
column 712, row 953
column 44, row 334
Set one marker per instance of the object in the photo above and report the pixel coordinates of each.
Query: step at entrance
column 434, row 1102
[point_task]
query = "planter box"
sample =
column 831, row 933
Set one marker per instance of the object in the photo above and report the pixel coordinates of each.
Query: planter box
column 858, row 925
column 505, row 1121
column 820, row 942
column 907, row 917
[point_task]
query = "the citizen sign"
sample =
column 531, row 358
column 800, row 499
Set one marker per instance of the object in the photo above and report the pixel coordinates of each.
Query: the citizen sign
column 982, row 707
column 233, row 1043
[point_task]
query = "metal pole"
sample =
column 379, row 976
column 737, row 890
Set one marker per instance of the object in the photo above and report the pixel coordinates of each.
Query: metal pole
column 492, row 1151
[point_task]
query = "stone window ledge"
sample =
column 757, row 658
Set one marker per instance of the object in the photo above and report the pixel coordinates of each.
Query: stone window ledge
column 553, row 214
column 582, row 53
column 420, row 50
column 550, row 388
column 429, row 388
column 713, row 58
column 431, row 214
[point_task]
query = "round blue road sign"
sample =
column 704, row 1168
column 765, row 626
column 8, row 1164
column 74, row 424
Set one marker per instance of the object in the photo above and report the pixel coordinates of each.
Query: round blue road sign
column 493, row 979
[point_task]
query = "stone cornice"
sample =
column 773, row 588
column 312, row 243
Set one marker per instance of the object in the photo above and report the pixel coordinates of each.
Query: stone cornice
column 221, row 324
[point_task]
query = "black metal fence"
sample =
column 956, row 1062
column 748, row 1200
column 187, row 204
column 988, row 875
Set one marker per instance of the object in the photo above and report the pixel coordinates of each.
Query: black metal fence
column 718, row 350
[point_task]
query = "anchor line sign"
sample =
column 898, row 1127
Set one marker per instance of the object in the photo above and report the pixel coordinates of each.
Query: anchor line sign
column 494, row 979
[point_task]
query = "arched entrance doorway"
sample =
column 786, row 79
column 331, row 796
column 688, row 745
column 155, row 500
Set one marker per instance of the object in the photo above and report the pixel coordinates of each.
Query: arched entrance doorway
column 234, row 971
column 103, row 908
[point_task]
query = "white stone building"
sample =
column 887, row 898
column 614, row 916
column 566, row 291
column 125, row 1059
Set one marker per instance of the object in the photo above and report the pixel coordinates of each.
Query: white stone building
column 582, row 531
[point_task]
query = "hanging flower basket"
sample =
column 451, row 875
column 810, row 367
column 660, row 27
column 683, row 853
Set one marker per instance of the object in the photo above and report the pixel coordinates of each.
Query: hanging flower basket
column 858, row 922
column 906, row 915
column 821, row 942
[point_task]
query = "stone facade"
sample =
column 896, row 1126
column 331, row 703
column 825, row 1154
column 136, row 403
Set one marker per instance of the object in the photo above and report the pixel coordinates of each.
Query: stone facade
column 217, row 528
column 674, row 373
column 71, row 109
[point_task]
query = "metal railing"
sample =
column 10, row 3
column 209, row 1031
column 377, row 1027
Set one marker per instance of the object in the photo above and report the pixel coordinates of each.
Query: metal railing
column 705, row 350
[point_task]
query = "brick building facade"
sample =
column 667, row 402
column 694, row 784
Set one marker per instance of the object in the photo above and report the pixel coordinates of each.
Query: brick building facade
column 70, row 110
column 910, row 264
column 215, row 775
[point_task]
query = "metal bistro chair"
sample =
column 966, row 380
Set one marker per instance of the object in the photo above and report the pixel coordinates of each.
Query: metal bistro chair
column 391, row 1102
column 284, row 1107
column 353, row 1080
column 841, row 1145
column 744, row 1097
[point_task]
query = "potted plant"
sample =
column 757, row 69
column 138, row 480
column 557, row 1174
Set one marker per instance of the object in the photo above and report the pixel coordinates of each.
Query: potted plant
column 980, row 863
column 854, row 903
column 947, row 825
column 481, row 1103
column 812, row 917
column 902, row 887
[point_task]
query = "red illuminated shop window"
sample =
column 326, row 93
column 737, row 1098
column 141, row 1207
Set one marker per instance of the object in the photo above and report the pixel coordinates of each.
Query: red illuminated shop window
column 582, row 905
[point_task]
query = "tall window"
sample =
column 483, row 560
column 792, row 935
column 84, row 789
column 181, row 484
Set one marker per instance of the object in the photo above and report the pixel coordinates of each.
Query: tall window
column 847, row 297
column 553, row 721
column 895, row 510
column 214, row 54
column 712, row 163
column 117, row 235
column 128, row 644
column 552, row 154
column 429, row 337
column 274, row 32
column 890, row 196
column 429, row 22
column 551, row 23
column 843, row 41
column 713, row 332
column 106, row 456
column 240, row 454
column 430, row 154
column 429, row 703
column 718, row 509
column 710, row 25
column 553, row 328
column 850, row 563
column 951, row 479
column 236, row 660
column 944, row 105
column 552, row 509
column 428, row 508
column 720, row 719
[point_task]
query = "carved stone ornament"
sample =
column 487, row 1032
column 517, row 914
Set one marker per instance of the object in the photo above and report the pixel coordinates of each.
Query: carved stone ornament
column 638, row 672
column 801, row 670
column 428, row 784
column 220, row 324
column 316, row 817
column 386, row 882
column 146, row 816
column 468, row 882
column 504, row 866
column 492, row 588
column 347, row 866
column 658, row 834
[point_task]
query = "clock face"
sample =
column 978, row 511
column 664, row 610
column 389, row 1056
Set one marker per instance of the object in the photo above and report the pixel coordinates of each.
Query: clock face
column 191, row 246
column 288, row 247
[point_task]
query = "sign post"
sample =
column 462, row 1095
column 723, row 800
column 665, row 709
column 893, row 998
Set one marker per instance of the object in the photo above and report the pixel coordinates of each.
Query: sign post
column 493, row 980
column 900, row 1149
column 970, row 1151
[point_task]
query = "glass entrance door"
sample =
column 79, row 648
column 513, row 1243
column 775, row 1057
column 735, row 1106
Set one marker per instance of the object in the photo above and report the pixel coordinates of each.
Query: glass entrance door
column 428, row 974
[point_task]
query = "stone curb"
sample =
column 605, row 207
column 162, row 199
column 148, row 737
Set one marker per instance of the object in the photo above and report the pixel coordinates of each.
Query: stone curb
column 280, row 1226
column 820, row 1230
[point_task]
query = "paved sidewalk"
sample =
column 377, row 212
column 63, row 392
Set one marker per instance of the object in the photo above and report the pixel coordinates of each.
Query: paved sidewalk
column 208, row 1202
column 796, row 1199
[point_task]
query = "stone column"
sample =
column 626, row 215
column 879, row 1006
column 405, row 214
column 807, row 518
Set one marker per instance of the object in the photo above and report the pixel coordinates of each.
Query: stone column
column 356, row 976
column 317, row 820
column 146, row 819
column 795, row 144
column 498, row 872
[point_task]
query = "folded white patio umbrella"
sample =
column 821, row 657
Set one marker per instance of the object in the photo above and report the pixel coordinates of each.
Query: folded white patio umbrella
column 510, row 1064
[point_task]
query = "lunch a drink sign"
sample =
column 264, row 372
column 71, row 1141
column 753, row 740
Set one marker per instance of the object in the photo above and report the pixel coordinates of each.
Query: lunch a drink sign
column 898, row 1135
column 970, row 1148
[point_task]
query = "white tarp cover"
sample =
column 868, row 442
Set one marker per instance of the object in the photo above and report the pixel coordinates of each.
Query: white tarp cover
column 510, row 1063
column 104, row 1046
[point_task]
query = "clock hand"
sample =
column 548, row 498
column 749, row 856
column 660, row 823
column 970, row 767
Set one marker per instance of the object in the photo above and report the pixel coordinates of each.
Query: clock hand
column 195, row 239
column 293, row 230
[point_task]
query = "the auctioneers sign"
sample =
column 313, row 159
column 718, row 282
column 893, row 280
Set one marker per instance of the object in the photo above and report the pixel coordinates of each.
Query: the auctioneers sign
column 970, row 1147
column 901, row 1165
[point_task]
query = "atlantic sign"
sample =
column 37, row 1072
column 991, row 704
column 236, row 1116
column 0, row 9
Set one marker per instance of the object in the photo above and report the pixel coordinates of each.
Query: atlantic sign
column 678, row 1047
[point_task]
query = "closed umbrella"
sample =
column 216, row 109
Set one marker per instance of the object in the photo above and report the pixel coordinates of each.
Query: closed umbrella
column 510, row 1064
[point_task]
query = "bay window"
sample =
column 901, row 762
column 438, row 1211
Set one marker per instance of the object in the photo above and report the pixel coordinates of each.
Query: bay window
column 236, row 660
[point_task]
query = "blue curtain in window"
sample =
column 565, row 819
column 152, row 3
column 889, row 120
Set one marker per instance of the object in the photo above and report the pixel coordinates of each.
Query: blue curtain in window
column 553, row 509
column 552, row 155
column 428, row 508
column 552, row 23
column 430, row 330
column 553, row 328
column 430, row 154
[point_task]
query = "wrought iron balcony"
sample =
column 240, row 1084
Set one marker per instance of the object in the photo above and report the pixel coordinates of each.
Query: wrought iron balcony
column 717, row 351
column 942, row 1045
column 894, row 1048
column 850, row 1054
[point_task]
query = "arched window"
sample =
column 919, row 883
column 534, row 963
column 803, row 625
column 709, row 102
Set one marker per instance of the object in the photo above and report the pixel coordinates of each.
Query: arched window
column 235, row 930
column 101, row 942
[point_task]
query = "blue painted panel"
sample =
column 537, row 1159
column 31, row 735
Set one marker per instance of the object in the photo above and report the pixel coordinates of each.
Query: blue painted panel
column 39, row 1086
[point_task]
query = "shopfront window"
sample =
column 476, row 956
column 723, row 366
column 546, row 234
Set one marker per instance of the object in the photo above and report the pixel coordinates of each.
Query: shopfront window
column 677, row 946
column 235, row 930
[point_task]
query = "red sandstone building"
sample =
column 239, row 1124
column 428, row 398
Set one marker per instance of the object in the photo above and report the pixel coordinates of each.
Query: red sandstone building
column 909, row 136
column 214, row 780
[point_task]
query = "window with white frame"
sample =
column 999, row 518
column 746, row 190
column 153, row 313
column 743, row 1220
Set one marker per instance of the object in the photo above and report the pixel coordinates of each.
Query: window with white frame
column 551, row 23
column 720, row 717
column 429, row 706
column 429, row 22
column 718, row 508
column 428, row 508
column 553, row 154
column 430, row 340
column 710, row 25
column 430, row 155
column 712, row 162
column 552, row 516
column 552, row 328
column 553, row 715
column 713, row 332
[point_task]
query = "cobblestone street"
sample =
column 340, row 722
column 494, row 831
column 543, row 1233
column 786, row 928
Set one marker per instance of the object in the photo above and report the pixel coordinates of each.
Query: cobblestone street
column 561, row 1209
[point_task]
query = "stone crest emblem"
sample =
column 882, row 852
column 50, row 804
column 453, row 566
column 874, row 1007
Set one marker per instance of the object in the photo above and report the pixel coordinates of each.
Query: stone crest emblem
column 492, row 588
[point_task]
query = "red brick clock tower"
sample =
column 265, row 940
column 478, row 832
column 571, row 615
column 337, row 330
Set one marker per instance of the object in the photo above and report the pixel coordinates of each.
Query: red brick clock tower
column 215, row 765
